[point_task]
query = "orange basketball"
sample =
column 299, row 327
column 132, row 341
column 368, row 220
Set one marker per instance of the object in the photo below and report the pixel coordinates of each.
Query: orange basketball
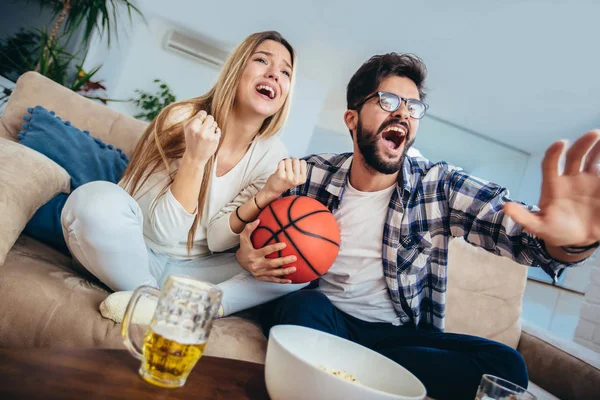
column 309, row 231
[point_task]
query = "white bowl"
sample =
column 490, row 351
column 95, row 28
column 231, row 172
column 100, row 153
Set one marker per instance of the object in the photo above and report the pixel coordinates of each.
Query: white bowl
column 297, row 356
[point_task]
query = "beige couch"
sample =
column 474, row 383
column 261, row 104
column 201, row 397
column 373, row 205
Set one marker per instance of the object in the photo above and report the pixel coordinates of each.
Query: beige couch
column 47, row 302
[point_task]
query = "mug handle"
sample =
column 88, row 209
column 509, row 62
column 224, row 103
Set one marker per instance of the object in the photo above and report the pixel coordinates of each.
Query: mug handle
column 133, row 348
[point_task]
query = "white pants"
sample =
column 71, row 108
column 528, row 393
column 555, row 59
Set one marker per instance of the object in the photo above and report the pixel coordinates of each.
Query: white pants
column 102, row 225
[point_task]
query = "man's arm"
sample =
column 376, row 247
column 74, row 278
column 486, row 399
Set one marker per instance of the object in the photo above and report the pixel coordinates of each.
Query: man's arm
column 476, row 213
column 569, row 219
column 565, row 229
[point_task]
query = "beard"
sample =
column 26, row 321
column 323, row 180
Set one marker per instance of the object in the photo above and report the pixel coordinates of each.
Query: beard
column 368, row 144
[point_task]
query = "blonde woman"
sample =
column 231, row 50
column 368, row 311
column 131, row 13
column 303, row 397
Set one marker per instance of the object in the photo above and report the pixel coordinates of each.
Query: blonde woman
column 201, row 171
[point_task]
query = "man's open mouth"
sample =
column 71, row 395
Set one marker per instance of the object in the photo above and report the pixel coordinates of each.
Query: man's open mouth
column 393, row 136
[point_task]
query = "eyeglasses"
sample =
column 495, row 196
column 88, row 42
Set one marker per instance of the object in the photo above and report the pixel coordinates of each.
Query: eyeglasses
column 390, row 102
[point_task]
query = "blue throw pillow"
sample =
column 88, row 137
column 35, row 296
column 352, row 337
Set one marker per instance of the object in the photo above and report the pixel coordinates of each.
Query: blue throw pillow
column 85, row 158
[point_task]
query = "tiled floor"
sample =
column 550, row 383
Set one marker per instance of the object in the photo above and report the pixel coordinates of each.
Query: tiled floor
column 552, row 308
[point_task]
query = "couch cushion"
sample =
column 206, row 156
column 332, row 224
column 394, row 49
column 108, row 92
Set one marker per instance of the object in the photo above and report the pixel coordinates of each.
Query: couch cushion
column 85, row 157
column 238, row 338
column 64, row 144
column 28, row 180
column 485, row 294
column 45, row 302
column 109, row 125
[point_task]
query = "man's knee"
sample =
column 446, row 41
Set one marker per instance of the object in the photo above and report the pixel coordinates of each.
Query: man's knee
column 505, row 362
column 302, row 307
column 515, row 369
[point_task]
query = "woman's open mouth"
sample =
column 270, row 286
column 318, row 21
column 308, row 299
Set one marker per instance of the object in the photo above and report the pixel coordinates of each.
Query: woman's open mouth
column 266, row 91
column 393, row 136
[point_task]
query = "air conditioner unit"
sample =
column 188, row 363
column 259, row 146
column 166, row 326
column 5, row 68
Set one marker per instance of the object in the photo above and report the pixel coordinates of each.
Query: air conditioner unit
column 195, row 49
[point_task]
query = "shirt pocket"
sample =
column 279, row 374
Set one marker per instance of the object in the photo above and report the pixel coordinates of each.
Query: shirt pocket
column 414, row 252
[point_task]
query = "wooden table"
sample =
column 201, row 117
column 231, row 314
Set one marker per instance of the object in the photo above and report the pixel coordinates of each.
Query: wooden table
column 113, row 374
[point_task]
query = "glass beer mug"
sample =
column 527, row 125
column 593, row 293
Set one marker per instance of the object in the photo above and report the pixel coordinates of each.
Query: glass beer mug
column 179, row 330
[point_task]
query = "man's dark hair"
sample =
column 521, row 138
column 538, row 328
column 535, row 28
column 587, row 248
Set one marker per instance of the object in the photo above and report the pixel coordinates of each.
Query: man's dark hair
column 368, row 77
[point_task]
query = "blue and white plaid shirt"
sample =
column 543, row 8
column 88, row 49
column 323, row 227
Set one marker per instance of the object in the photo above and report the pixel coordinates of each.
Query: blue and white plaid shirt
column 432, row 204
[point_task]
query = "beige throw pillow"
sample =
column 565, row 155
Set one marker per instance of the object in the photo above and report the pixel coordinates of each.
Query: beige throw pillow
column 28, row 180
column 485, row 294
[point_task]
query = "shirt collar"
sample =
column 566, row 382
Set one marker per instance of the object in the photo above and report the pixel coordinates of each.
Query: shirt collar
column 407, row 179
column 340, row 177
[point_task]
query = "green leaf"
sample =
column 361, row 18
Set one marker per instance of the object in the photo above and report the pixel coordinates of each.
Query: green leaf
column 86, row 77
column 153, row 103
column 94, row 15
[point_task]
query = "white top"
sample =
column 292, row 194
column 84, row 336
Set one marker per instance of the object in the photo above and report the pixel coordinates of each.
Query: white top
column 355, row 283
column 167, row 223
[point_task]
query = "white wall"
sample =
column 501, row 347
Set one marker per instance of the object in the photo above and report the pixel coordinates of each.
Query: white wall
column 588, row 328
column 140, row 58
column 478, row 156
column 306, row 105
column 326, row 141
column 530, row 189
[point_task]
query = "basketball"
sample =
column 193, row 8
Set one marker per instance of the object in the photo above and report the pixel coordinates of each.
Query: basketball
column 309, row 231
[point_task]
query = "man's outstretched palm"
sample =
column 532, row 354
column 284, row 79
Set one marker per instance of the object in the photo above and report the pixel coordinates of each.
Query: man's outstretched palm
column 570, row 203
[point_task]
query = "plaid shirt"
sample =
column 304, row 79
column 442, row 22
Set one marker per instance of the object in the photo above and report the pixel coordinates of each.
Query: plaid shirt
column 432, row 204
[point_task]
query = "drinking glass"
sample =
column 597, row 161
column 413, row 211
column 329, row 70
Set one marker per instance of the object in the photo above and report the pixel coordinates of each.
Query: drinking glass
column 178, row 332
column 494, row 388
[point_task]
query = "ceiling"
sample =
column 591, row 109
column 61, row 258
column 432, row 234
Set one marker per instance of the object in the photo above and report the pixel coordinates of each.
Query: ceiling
column 524, row 72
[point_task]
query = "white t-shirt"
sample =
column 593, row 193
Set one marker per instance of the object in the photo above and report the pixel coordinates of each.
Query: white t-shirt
column 167, row 223
column 355, row 283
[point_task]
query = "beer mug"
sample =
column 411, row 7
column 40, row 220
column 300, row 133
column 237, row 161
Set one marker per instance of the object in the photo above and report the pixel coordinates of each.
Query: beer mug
column 178, row 332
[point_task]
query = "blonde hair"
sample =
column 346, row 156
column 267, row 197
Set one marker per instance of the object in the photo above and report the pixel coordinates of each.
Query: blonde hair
column 163, row 140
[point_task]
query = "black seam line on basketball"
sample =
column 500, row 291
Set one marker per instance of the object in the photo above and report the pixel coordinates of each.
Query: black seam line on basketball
column 293, row 223
column 271, row 231
column 274, row 235
column 315, row 235
column 304, row 216
column 277, row 233
column 292, row 241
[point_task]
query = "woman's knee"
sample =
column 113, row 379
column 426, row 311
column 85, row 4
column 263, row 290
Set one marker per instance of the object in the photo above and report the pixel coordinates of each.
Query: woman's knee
column 98, row 203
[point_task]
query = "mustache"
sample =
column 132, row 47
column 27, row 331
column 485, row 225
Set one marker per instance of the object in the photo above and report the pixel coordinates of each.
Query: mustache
column 394, row 122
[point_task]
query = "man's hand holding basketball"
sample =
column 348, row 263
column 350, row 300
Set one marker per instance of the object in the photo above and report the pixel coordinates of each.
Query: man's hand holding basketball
column 256, row 262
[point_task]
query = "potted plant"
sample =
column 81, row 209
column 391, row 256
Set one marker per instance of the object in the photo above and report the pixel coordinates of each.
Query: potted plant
column 152, row 103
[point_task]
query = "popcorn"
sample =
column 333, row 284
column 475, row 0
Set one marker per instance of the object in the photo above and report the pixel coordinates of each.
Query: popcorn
column 340, row 374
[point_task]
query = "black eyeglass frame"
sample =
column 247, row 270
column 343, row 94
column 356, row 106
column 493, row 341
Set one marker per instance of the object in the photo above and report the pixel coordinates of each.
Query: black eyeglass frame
column 400, row 100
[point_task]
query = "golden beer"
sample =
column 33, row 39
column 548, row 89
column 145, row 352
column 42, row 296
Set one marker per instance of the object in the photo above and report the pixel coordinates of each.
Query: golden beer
column 177, row 335
column 168, row 357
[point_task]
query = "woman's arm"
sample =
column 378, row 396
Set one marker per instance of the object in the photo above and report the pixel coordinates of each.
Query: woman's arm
column 171, row 213
column 225, row 227
column 290, row 172
column 201, row 140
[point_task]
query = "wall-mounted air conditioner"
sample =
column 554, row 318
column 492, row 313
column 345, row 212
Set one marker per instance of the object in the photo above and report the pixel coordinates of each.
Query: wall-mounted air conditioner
column 195, row 49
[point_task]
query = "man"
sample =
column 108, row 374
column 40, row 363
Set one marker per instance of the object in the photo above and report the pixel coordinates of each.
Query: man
column 397, row 214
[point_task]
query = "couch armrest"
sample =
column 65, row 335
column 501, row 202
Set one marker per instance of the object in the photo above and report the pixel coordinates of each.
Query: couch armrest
column 563, row 368
column 4, row 132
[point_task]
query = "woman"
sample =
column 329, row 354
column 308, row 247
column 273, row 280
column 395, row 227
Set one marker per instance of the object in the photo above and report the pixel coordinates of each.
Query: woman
column 201, row 171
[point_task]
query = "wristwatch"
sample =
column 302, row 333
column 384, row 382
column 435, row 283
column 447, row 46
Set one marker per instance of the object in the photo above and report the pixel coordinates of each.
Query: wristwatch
column 575, row 250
